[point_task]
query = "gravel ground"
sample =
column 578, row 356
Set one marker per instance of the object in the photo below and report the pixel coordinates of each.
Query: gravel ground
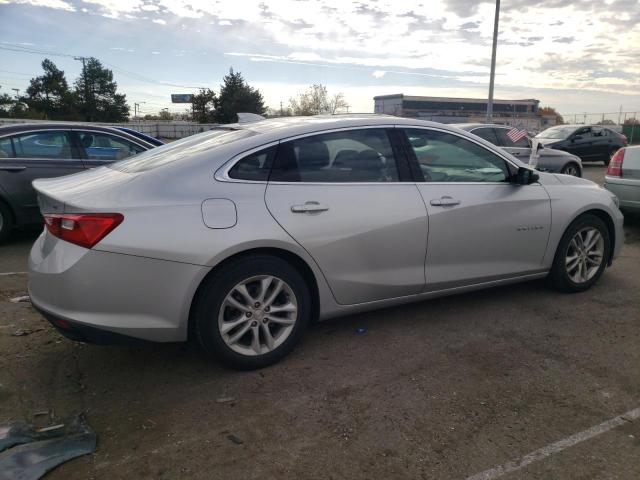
column 440, row 389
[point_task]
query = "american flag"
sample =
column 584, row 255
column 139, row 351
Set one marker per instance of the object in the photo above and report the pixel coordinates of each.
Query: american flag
column 516, row 134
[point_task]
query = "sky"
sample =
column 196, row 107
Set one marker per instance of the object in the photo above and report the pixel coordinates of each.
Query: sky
column 574, row 55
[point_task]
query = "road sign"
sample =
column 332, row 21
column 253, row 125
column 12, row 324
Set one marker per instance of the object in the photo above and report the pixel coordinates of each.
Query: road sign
column 181, row 97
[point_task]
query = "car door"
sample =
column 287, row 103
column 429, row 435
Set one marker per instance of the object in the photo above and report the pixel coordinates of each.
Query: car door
column 31, row 155
column 100, row 148
column 581, row 144
column 347, row 198
column 482, row 227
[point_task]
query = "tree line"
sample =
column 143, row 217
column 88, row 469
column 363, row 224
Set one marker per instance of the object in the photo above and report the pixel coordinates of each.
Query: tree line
column 94, row 97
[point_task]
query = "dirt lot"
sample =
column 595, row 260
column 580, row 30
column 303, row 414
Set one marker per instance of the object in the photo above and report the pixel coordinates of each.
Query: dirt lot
column 441, row 389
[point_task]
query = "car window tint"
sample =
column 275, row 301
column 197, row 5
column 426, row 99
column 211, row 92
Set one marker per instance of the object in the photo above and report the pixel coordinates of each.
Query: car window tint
column 444, row 157
column 255, row 166
column 584, row 132
column 6, row 149
column 598, row 132
column 487, row 134
column 101, row 146
column 505, row 141
column 363, row 155
column 46, row 145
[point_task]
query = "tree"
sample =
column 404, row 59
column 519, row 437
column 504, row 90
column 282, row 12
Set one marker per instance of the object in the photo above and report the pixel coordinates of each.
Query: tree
column 165, row 114
column 551, row 111
column 48, row 95
column 237, row 96
column 631, row 121
column 97, row 96
column 317, row 101
column 6, row 104
column 606, row 121
column 203, row 105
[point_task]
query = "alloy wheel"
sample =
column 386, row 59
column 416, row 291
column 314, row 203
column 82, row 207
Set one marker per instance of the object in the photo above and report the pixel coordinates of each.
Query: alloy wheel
column 258, row 315
column 571, row 170
column 585, row 255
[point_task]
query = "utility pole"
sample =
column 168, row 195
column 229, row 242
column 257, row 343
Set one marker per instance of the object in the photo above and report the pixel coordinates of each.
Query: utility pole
column 88, row 105
column 493, row 63
column 136, row 108
column 281, row 110
column 17, row 90
column 619, row 114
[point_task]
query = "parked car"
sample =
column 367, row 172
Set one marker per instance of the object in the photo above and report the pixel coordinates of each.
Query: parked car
column 142, row 136
column 623, row 177
column 549, row 160
column 240, row 237
column 30, row 151
column 589, row 142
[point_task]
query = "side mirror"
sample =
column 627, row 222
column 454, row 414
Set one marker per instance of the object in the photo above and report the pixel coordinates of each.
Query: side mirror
column 526, row 176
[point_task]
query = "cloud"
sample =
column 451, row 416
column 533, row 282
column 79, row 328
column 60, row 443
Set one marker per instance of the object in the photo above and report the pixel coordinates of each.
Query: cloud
column 159, row 21
column 58, row 4
column 379, row 73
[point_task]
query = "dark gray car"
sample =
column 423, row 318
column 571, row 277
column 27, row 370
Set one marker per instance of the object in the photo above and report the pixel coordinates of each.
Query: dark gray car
column 44, row 150
column 549, row 160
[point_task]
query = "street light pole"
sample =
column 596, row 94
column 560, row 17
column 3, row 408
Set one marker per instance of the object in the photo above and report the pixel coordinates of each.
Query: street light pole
column 493, row 63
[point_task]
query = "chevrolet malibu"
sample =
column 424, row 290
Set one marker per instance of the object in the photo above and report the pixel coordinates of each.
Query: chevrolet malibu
column 240, row 237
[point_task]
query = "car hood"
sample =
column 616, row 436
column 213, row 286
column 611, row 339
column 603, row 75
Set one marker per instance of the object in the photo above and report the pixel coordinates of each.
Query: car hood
column 571, row 180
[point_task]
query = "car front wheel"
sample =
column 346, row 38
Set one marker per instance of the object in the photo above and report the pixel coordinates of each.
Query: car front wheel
column 582, row 255
column 571, row 169
column 253, row 312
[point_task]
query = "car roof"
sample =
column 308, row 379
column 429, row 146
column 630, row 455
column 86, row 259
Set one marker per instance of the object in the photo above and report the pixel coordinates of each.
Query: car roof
column 35, row 126
column 470, row 126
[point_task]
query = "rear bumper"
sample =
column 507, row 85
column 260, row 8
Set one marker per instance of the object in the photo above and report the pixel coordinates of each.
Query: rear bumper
column 627, row 191
column 109, row 297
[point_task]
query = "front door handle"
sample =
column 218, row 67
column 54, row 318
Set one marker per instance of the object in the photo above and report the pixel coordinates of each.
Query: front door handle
column 444, row 202
column 309, row 207
column 10, row 168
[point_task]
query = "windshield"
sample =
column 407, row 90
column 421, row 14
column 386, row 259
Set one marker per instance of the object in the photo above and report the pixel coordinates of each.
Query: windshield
column 180, row 149
column 557, row 132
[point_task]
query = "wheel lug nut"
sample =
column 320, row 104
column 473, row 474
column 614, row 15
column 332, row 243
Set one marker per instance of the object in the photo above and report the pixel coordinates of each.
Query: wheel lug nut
column 253, row 324
column 266, row 309
column 266, row 320
column 248, row 314
column 257, row 305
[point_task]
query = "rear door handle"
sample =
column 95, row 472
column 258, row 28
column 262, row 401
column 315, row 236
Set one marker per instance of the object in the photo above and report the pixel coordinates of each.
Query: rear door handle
column 444, row 202
column 10, row 168
column 309, row 207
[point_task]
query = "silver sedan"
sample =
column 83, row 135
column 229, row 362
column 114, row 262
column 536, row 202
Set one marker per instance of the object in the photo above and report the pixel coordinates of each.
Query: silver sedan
column 240, row 237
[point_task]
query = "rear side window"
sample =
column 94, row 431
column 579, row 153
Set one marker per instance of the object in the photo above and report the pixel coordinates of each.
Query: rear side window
column 45, row 145
column 254, row 167
column 6, row 149
column 505, row 141
column 362, row 155
column 100, row 146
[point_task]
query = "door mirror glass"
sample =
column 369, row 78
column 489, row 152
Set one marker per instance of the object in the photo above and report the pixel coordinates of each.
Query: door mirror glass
column 526, row 176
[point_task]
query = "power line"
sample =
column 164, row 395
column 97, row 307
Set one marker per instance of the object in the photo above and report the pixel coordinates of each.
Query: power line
column 128, row 73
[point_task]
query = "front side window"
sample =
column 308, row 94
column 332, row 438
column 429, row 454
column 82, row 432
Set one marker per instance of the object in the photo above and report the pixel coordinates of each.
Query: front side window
column 444, row 157
column 255, row 166
column 487, row 134
column 100, row 146
column 45, row 145
column 584, row 132
column 363, row 155
column 508, row 141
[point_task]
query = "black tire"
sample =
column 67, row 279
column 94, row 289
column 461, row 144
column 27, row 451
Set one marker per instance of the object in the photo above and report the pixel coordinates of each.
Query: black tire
column 571, row 166
column 6, row 221
column 558, row 276
column 213, row 293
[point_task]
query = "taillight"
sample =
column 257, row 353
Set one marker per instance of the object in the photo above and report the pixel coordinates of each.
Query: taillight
column 615, row 165
column 84, row 229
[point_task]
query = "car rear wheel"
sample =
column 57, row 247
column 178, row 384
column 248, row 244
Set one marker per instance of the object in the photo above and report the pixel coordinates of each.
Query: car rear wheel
column 253, row 312
column 582, row 255
column 6, row 222
column 571, row 169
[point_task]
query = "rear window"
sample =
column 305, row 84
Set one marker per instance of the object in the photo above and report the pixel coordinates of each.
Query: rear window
column 180, row 149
